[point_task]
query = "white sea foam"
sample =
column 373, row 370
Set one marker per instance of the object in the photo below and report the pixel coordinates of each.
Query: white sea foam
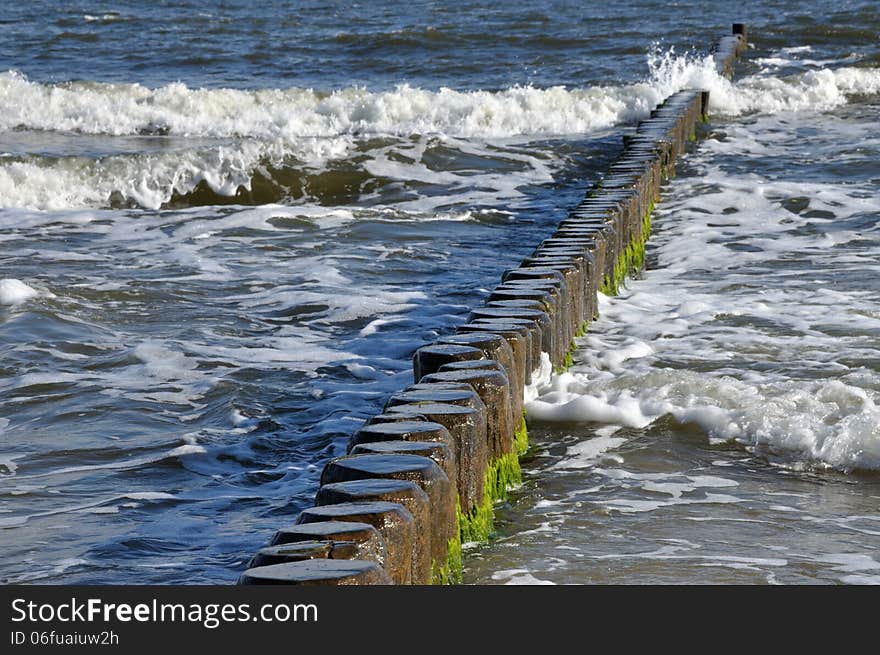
column 296, row 113
column 7, row 460
column 541, row 377
column 109, row 17
column 518, row 577
column 664, row 490
column 824, row 421
column 587, row 453
column 150, row 495
column 274, row 126
column 728, row 336
column 362, row 371
column 816, row 90
column 163, row 363
column 15, row 292
column 671, row 553
column 150, row 180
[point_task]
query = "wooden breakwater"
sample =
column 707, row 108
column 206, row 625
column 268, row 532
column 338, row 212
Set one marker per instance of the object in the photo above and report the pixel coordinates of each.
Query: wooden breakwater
column 422, row 477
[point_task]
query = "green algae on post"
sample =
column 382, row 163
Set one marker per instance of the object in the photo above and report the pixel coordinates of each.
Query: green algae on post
column 501, row 474
column 521, row 437
column 450, row 572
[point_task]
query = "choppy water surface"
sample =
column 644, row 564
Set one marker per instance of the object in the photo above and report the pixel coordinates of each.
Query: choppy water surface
column 219, row 253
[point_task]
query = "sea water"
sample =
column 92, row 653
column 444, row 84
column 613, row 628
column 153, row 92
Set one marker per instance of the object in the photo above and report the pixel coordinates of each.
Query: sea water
column 226, row 230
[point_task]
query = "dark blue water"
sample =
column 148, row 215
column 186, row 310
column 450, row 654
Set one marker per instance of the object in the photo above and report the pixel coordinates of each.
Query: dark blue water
column 332, row 45
column 225, row 229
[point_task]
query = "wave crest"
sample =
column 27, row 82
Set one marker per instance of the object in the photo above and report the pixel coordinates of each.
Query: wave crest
column 270, row 128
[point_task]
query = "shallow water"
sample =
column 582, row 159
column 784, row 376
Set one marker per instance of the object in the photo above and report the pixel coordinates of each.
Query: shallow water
column 220, row 252
column 661, row 506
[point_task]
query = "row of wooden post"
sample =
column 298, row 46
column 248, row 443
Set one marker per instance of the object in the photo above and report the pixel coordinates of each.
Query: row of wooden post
column 421, row 477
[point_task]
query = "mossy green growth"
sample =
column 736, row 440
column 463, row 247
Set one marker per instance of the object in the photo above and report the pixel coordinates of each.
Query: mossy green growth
column 453, row 560
column 521, row 437
column 477, row 523
column 608, row 287
column 611, row 283
column 582, row 330
column 568, row 360
column 646, row 222
column 502, row 473
column 450, row 572
column 631, row 261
